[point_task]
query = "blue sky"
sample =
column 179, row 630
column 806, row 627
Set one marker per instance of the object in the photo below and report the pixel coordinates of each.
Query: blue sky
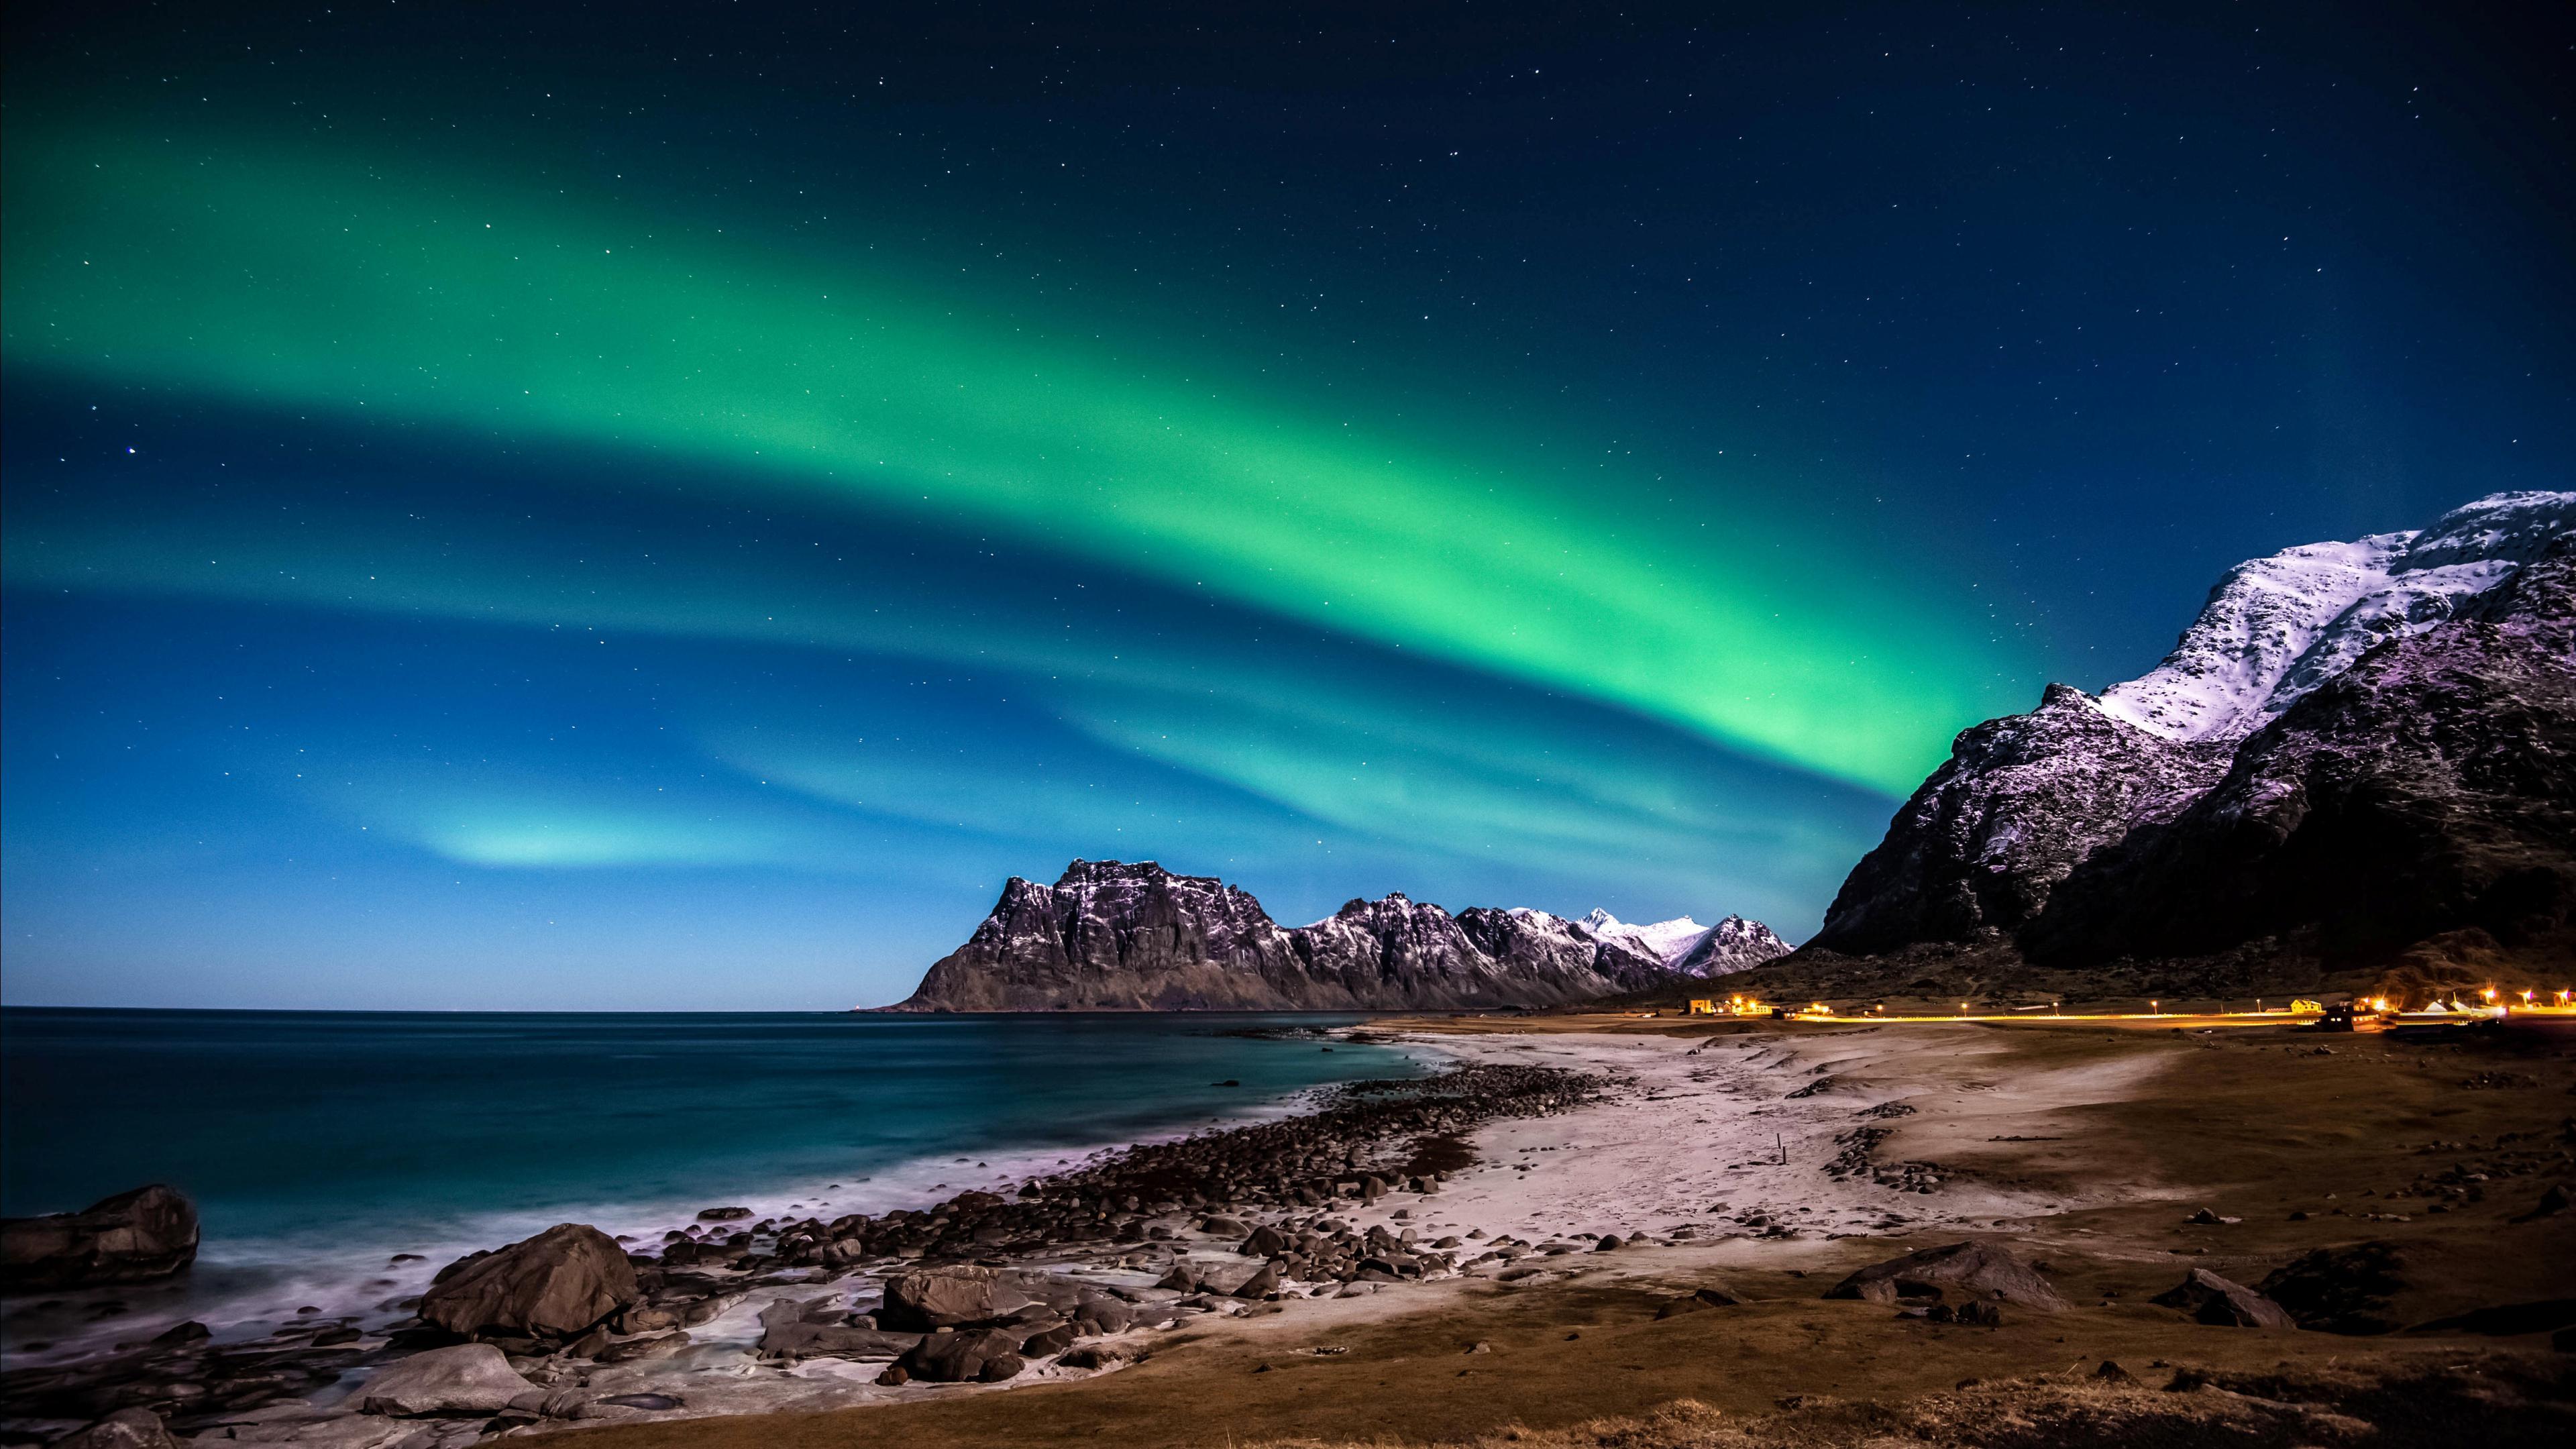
column 673, row 515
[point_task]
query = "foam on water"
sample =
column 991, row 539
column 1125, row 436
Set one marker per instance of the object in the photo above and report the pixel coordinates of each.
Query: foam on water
column 320, row 1145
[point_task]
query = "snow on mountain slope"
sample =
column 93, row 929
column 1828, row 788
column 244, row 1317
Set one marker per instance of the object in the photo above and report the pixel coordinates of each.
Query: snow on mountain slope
column 1691, row 949
column 2027, row 800
column 1666, row 941
column 2275, row 628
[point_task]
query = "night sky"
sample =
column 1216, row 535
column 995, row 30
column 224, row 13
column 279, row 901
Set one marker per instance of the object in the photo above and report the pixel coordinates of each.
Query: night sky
column 546, row 505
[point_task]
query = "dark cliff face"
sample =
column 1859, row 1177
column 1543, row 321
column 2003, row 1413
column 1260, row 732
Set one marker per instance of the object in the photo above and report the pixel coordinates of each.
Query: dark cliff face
column 1115, row 936
column 2428, row 785
column 2429, row 788
column 2021, row 802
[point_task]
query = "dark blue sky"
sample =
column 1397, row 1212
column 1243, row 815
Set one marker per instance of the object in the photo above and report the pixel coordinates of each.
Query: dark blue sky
column 562, row 506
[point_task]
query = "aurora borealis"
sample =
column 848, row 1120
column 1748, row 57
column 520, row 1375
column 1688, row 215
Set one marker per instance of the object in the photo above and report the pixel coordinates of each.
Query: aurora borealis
column 571, row 511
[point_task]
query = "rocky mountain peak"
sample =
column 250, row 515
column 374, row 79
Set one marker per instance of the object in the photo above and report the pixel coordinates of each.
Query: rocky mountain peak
column 2275, row 628
column 2381, row 629
column 1133, row 936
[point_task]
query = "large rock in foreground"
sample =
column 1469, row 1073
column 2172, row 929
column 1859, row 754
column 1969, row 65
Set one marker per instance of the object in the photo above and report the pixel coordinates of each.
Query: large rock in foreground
column 936, row 1298
column 556, row 1285
column 133, row 1237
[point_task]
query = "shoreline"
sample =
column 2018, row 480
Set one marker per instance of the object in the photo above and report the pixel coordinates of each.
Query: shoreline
column 732, row 1295
column 1538, row 1192
column 1895, row 1137
column 245, row 1285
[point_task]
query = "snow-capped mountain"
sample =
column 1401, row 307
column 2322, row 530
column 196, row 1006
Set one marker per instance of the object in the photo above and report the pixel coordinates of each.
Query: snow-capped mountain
column 1666, row 941
column 2028, row 801
column 1111, row 936
column 1688, row 948
column 2275, row 628
column 1733, row 944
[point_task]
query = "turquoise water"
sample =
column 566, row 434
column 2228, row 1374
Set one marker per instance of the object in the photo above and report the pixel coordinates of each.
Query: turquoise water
column 318, row 1144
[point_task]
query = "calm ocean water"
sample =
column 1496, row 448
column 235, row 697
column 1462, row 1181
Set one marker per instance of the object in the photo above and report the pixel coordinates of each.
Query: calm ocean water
column 319, row 1144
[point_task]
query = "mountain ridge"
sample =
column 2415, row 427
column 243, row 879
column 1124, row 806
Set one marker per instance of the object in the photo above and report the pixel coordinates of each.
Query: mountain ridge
column 1132, row 936
column 2441, row 640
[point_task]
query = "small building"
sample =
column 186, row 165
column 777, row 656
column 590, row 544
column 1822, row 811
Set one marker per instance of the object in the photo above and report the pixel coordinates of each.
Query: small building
column 1702, row 1006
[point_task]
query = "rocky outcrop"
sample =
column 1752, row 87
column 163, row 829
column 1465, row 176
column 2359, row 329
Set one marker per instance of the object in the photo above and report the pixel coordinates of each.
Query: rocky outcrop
column 1973, row 1272
column 2211, row 1299
column 2022, row 801
column 1110, row 935
column 2364, row 738
column 133, row 1237
column 556, row 1285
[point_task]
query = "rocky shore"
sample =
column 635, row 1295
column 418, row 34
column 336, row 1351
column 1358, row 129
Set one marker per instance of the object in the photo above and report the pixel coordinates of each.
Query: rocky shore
column 1070, row 1274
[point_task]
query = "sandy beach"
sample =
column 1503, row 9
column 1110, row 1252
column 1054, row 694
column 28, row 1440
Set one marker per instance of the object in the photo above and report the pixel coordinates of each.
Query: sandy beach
column 1763, row 1160
column 2084, row 1148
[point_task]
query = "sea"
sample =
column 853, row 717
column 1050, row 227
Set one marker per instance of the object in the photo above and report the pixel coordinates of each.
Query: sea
column 318, row 1146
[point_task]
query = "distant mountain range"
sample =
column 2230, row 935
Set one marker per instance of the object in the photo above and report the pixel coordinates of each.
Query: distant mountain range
column 2362, row 744
column 1116, row 936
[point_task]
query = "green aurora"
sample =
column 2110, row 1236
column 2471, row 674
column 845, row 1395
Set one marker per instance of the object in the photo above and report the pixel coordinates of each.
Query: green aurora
column 288, row 278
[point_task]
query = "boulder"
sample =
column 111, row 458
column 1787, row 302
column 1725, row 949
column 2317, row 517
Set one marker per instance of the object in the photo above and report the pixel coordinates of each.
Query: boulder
column 470, row 1378
column 935, row 1298
column 1697, row 1301
column 2209, row 1298
column 986, row 1355
column 133, row 1237
column 1106, row 1314
column 124, row 1429
column 1053, row 1340
column 556, row 1285
column 1263, row 1242
column 786, row 1332
column 1972, row 1271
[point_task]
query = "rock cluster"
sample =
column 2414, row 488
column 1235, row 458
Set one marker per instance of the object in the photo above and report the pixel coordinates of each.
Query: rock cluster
column 1369, row 1138
column 522, row 1335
